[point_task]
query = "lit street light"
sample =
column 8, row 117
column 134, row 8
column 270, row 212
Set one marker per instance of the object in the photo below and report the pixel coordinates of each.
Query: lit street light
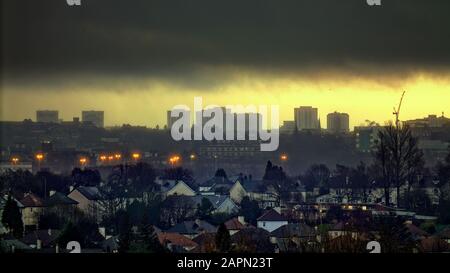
column 15, row 160
column 136, row 156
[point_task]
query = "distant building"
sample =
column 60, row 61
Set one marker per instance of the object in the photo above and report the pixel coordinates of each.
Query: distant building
column 366, row 137
column 288, row 127
column 95, row 117
column 47, row 116
column 271, row 220
column 430, row 121
column 170, row 120
column 306, row 118
column 338, row 122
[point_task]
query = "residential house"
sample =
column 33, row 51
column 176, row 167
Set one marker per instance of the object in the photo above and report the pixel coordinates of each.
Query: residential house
column 271, row 220
column 216, row 185
column 266, row 197
column 236, row 224
column 61, row 205
column 87, row 199
column 191, row 229
column 42, row 238
column 172, row 187
column 221, row 203
column 293, row 237
column 252, row 240
column 176, row 242
column 187, row 206
column 32, row 207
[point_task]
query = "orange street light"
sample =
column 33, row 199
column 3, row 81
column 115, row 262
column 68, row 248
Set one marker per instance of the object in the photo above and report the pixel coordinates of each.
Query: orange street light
column 103, row 157
column 83, row 160
column 117, row 156
column 136, row 156
column 110, row 157
column 284, row 157
column 192, row 156
column 39, row 157
column 15, row 160
column 174, row 159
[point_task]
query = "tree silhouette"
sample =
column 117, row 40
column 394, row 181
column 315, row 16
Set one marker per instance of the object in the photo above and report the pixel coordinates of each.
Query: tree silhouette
column 223, row 241
column 399, row 157
column 12, row 218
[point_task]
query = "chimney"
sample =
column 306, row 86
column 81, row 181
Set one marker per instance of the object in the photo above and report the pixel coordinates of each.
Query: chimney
column 241, row 220
column 49, row 231
column 38, row 244
column 277, row 209
column 197, row 222
column 51, row 193
column 57, row 248
column 71, row 188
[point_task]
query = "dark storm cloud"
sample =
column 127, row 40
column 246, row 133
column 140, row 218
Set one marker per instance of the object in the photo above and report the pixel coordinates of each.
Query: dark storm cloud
column 168, row 38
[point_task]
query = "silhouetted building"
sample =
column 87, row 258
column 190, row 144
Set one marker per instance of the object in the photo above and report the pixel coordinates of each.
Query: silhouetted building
column 288, row 127
column 366, row 137
column 338, row 122
column 430, row 121
column 95, row 117
column 170, row 120
column 306, row 118
column 48, row 116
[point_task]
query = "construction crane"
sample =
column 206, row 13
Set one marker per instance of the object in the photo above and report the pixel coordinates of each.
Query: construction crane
column 397, row 111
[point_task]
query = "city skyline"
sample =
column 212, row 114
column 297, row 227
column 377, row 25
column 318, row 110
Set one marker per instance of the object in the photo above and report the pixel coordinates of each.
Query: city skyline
column 267, row 53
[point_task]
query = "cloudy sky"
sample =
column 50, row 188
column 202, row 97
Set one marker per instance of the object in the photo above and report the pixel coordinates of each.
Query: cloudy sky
column 136, row 59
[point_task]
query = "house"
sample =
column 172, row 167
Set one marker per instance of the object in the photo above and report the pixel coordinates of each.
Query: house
column 32, row 207
column 221, row 203
column 292, row 236
column 206, row 243
column 42, row 238
column 188, row 205
column 252, row 240
column 255, row 190
column 342, row 229
column 236, row 224
column 60, row 204
column 271, row 220
column 217, row 185
column 178, row 187
column 87, row 199
column 176, row 242
column 191, row 229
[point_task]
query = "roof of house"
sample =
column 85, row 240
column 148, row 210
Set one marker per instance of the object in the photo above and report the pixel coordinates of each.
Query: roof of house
column 175, row 239
column 60, row 199
column 91, row 193
column 216, row 180
column 254, row 234
column 272, row 215
column 192, row 227
column 234, row 224
column 216, row 200
column 294, row 230
column 170, row 184
column 32, row 200
column 253, row 186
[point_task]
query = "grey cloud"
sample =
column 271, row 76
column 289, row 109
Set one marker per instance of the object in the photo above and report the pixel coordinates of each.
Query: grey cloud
column 180, row 40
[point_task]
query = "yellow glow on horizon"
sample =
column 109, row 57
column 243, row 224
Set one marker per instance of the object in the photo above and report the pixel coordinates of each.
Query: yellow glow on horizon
column 147, row 103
